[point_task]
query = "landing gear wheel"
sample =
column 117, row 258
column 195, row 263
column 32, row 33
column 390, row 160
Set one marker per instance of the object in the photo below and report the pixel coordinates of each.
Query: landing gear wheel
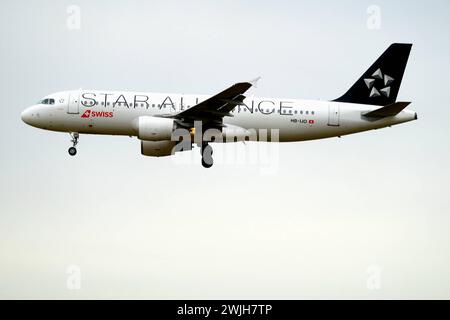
column 72, row 151
column 207, row 165
column 75, row 136
column 207, row 160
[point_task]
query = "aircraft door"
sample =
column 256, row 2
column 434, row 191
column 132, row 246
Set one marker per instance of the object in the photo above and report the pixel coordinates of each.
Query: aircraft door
column 73, row 106
column 333, row 114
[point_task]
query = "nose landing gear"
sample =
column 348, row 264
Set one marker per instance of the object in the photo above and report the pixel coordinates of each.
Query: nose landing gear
column 72, row 150
column 206, row 152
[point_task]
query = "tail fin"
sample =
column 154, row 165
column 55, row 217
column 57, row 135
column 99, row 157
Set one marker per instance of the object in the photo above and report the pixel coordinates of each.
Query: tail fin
column 379, row 85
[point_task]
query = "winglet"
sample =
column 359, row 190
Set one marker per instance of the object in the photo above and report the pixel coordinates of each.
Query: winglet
column 253, row 86
column 254, row 82
column 386, row 111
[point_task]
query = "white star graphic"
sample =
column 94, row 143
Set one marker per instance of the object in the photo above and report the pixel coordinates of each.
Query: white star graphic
column 374, row 92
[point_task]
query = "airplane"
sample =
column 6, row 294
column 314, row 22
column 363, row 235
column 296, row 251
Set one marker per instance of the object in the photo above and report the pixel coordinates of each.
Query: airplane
column 166, row 123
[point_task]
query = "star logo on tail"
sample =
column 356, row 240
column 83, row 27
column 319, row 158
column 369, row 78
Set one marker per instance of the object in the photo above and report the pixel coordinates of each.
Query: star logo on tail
column 370, row 83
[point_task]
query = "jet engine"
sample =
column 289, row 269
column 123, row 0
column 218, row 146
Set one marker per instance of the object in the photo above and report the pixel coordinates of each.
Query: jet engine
column 154, row 128
column 157, row 148
column 155, row 134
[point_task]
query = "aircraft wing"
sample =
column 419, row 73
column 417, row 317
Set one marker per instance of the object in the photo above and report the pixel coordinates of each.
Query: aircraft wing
column 216, row 107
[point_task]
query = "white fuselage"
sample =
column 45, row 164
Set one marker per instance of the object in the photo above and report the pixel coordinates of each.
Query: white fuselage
column 113, row 113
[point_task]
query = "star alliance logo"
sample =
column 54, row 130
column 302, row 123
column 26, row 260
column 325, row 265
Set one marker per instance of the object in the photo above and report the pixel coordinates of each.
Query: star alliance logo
column 378, row 75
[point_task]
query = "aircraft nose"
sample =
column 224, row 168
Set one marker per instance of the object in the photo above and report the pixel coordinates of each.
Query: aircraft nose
column 29, row 115
column 26, row 115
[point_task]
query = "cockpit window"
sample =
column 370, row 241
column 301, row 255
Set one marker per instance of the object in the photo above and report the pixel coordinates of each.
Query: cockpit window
column 47, row 101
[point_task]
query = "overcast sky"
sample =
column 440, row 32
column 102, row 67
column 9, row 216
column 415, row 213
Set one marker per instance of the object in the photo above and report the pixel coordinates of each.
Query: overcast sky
column 364, row 216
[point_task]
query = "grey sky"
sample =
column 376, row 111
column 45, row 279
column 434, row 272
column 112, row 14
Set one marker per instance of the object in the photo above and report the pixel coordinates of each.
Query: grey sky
column 142, row 227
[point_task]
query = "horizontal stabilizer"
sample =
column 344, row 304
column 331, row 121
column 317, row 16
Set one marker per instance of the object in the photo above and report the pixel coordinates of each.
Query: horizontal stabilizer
column 387, row 111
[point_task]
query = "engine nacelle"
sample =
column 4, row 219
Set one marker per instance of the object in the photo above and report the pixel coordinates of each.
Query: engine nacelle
column 154, row 129
column 157, row 148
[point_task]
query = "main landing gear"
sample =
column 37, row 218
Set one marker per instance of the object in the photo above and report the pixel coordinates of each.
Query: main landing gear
column 72, row 150
column 206, row 152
